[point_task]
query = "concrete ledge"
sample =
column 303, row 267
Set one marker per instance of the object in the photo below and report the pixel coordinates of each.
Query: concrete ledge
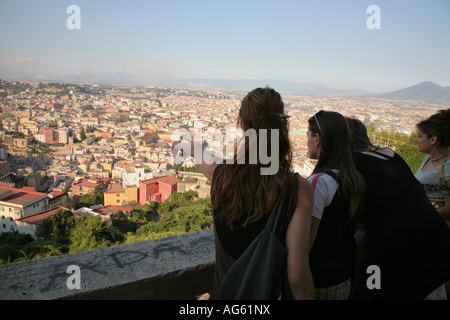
column 178, row 267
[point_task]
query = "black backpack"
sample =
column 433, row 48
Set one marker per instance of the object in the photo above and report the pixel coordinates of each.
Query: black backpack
column 260, row 273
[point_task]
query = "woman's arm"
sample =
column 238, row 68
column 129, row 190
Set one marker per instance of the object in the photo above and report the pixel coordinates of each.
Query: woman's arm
column 444, row 211
column 297, row 244
column 324, row 190
column 202, row 156
column 314, row 227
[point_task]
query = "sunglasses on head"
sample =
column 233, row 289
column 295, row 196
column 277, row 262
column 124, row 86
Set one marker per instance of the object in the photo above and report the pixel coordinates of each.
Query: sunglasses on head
column 320, row 129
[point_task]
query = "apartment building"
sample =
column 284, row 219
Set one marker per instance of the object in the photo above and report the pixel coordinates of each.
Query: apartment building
column 28, row 225
column 15, row 142
column 132, row 174
column 50, row 135
column 28, row 127
column 19, row 203
column 117, row 195
column 157, row 189
column 87, row 185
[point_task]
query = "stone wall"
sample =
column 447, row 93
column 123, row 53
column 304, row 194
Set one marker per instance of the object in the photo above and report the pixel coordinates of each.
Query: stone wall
column 178, row 267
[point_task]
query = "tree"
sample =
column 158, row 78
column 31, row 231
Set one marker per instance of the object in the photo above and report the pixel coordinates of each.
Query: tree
column 11, row 244
column 371, row 128
column 57, row 227
column 15, row 238
column 92, row 233
column 177, row 199
column 194, row 216
column 16, row 247
column 187, row 169
column 411, row 155
column 122, row 224
column 82, row 134
column 9, row 254
column 42, row 249
column 403, row 144
column 148, row 212
column 166, row 207
column 92, row 199
column 151, row 206
column 62, row 233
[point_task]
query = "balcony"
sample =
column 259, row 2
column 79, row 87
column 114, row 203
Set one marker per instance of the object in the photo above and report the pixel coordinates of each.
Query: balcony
column 173, row 268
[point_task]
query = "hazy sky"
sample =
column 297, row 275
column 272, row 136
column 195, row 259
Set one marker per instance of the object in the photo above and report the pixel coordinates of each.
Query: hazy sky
column 324, row 42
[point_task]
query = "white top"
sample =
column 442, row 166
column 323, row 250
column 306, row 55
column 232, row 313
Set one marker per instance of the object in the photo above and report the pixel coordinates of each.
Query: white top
column 324, row 192
column 430, row 181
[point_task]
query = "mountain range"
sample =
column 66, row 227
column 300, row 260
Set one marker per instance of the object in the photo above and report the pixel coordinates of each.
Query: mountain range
column 208, row 83
column 427, row 91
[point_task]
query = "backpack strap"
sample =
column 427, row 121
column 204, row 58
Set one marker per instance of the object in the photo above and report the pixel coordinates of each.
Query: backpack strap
column 334, row 176
column 328, row 172
column 351, row 221
column 284, row 209
column 316, row 177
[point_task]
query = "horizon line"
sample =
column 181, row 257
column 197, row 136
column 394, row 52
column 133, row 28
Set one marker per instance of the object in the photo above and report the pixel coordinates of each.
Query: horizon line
column 162, row 82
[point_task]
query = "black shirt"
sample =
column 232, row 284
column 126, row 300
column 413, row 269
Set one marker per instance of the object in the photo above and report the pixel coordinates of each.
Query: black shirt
column 408, row 240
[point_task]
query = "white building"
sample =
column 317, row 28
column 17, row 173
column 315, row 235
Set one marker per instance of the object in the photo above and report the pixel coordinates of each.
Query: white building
column 133, row 173
column 19, row 203
column 28, row 225
column 63, row 135
column 40, row 137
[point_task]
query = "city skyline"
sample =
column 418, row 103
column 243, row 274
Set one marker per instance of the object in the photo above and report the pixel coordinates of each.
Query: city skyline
column 323, row 42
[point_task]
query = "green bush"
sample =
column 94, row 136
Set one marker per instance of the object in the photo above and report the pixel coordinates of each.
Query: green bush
column 61, row 233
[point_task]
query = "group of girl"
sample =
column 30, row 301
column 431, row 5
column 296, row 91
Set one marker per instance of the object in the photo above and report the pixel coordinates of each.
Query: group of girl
column 362, row 206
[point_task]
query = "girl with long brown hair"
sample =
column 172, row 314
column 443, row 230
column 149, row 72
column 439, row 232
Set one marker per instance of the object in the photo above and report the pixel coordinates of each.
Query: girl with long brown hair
column 338, row 188
column 243, row 197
